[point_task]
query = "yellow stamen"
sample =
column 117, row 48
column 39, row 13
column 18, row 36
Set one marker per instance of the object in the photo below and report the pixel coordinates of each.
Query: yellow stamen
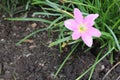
column 82, row 28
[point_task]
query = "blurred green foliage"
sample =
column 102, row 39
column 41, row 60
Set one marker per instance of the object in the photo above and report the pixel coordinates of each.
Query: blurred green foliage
column 11, row 7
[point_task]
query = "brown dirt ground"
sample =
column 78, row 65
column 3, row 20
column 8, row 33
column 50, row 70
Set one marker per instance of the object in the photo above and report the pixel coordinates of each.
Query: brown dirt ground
column 34, row 60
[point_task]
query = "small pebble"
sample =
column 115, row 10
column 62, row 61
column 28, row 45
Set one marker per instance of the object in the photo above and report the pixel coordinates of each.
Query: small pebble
column 102, row 67
column 28, row 29
column 27, row 55
column 39, row 16
column 41, row 64
column 2, row 40
column 3, row 16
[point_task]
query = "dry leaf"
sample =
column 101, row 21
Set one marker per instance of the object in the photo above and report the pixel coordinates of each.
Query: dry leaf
column 32, row 46
column 29, row 41
column 33, row 25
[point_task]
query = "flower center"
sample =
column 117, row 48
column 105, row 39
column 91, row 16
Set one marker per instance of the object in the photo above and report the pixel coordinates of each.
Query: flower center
column 82, row 28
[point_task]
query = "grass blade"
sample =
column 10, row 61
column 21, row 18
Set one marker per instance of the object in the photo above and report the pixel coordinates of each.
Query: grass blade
column 28, row 19
column 65, row 60
column 31, row 34
column 114, row 36
column 95, row 64
column 59, row 41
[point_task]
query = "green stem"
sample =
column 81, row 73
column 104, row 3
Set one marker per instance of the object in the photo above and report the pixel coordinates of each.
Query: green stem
column 31, row 34
column 65, row 60
column 95, row 64
column 98, row 56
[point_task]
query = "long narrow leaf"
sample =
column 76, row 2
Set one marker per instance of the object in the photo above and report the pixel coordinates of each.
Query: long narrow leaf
column 28, row 19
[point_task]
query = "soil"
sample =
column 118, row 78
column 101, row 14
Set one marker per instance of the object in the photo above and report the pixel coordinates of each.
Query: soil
column 34, row 60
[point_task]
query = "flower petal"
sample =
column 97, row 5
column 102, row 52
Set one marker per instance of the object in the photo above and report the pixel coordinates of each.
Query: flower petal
column 71, row 24
column 76, row 35
column 89, row 20
column 94, row 32
column 78, row 15
column 87, row 39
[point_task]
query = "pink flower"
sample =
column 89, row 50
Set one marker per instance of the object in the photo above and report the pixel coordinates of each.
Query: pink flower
column 83, row 27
